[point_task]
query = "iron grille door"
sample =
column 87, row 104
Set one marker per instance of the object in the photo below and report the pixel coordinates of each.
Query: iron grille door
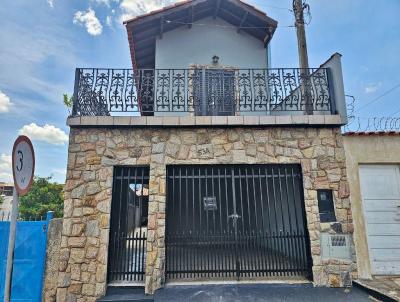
column 128, row 229
column 214, row 92
column 235, row 221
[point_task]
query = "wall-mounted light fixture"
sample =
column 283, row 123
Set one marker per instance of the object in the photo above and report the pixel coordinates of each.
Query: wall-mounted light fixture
column 215, row 60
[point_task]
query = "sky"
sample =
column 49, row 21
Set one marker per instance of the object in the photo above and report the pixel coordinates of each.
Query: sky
column 43, row 41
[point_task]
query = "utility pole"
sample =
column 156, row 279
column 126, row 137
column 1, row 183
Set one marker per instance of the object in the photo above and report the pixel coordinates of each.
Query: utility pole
column 298, row 10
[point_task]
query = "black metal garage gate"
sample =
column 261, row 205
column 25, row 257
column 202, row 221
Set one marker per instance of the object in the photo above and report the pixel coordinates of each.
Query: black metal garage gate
column 236, row 221
column 128, row 226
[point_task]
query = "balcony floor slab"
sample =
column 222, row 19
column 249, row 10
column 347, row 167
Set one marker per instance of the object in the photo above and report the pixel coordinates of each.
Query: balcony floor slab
column 205, row 121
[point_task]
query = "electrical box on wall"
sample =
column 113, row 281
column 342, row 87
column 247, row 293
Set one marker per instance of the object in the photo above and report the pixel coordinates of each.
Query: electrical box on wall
column 335, row 246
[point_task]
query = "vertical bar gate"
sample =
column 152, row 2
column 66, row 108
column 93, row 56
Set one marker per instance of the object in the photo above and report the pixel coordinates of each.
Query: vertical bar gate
column 128, row 229
column 236, row 221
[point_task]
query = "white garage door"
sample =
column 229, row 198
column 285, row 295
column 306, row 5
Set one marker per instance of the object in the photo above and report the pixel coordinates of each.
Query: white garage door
column 380, row 190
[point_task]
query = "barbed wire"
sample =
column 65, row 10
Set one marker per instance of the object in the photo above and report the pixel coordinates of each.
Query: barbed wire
column 373, row 124
column 368, row 124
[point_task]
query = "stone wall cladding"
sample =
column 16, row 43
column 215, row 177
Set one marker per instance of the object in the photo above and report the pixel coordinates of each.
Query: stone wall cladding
column 94, row 151
column 52, row 257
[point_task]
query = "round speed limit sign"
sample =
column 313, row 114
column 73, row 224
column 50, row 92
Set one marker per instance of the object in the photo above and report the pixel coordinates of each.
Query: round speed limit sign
column 23, row 163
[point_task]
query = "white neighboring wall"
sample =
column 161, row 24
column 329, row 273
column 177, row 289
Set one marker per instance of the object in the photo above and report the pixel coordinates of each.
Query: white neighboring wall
column 184, row 46
column 5, row 208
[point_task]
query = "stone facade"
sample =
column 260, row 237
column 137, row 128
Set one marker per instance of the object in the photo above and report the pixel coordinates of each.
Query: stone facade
column 94, row 151
column 52, row 257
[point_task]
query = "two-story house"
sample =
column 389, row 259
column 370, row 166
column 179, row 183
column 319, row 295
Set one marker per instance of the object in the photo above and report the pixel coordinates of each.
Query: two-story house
column 203, row 162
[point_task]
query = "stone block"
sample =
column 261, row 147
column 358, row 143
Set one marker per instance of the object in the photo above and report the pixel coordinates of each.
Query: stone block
column 91, row 253
column 78, row 255
column 61, row 294
column 93, row 188
column 77, row 229
column 64, row 279
column 88, row 289
column 158, row 148
column 92, row 228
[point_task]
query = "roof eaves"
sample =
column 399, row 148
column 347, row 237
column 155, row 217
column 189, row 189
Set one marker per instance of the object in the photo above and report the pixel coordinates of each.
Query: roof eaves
column 154, row 12
column 180, row 3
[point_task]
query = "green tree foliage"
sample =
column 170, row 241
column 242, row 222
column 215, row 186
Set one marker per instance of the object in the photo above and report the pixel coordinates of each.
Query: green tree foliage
column 1, row 199
column 43, row 196
column 67, row 100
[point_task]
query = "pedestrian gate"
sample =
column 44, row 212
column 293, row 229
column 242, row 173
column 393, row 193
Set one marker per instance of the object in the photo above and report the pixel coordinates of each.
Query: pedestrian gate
column 128, row 230
column 238, row 221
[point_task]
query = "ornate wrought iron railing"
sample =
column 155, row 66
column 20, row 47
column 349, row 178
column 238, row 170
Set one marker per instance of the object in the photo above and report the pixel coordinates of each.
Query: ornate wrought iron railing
column 102, row 92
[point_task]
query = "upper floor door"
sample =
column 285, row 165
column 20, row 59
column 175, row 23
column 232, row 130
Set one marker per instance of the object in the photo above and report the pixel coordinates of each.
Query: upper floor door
column 214, row 92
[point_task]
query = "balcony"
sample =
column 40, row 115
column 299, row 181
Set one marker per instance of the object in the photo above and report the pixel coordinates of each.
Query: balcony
column 209, row 92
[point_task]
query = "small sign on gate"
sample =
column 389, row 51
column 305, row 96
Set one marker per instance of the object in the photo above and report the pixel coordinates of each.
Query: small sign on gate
column 210, row 203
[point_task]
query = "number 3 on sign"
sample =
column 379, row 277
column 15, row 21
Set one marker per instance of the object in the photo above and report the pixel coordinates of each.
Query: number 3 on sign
column 23, row 159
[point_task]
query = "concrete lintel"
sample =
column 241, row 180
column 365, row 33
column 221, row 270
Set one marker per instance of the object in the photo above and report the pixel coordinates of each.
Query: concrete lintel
column 333, row 120
column 235, row 120
column 251, row 120
column 89, row 120
column 105, row 121
column 170, row 120
column 283, row 119
column 316, row 119
column 138, row 121
column 300, row 119
column 187, row 121
column 203, row 120
column 74, row 121
column 267, row 120
column 219, row 120
column 122, row 120
column 207, row 121
column 155, row 120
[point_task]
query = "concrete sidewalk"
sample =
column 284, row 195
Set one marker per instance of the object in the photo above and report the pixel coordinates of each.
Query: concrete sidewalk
column 259, row 293
column 385, row 285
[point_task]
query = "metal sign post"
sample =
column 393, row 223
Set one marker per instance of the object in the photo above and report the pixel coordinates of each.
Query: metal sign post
column 23, row 165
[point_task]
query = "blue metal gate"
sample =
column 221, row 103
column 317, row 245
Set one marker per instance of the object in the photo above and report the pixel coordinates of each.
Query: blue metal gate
column 29, row 259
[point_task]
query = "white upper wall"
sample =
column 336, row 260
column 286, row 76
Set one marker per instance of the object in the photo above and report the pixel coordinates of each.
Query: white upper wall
column 184, row 46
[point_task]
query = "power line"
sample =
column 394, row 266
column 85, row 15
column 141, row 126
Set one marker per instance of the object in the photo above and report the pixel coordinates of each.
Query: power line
column 225, row 26
column 277, row 7
column 379, row 97
column 397, row 111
